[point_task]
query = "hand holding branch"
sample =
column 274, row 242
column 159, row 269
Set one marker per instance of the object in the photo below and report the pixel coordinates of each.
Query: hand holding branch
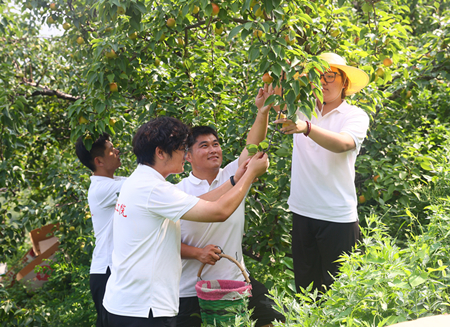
column 289, row 127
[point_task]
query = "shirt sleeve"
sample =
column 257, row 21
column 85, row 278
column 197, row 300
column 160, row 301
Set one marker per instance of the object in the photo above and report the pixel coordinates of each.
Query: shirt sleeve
column 356, row 125
column 182, row 184
column 169, row 202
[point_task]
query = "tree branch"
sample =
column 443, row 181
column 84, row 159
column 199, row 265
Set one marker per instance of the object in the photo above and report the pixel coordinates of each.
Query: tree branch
column 251, row 254
column 47, row 91
column 43, row 74
column 44, row 89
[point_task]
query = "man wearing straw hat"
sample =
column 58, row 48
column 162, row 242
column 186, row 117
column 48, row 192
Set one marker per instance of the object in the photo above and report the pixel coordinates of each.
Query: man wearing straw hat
column 323, row 195
column 200, row 240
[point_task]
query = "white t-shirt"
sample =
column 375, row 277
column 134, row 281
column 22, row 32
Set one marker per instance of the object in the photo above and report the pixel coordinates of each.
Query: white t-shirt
column 323, row 182
column 227, row 235
column 102, row 196
column 146, row 258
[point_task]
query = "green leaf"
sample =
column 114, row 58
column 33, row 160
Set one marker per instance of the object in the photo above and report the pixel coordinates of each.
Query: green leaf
column 135, row 22
column 276, row 49
column 418, row 279
column 306, row 18
column 270, row 99
column 116, row 2
column 246, row 5
column 296, row 87
column 100, row 107
column 141, row 7
column 391, row 320
column 185, row 10
column 276, row 69
column 290, row 96
column 318, row 93
column 426, row 165
column 254, row 53
column 187, row 63
column 268, row 5
column 276, row 3
column 367, row 7
column 234, row 31
column 252, row 149
column 245, row 34
column 279, row 25
column 19, row 104
column 282, row 152
column 264, row 145
column 288, row 262
column 248, row 26
column 92, row 77
column 97, row 52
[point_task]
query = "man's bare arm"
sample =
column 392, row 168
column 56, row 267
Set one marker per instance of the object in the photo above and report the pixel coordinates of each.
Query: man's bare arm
column 258, row 130
column 208, row 254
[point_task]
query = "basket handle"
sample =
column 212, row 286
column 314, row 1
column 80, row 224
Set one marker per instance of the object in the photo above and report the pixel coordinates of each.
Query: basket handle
column 223, row 255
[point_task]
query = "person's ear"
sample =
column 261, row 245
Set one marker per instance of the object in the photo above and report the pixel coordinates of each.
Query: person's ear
column 189, row 157
column 98, row 161
column 346, row 83
column 160, row 153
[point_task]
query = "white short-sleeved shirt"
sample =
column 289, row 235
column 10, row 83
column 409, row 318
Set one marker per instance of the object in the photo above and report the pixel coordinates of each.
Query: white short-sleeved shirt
column 102, row 197
column 146, row 262
column 323, row 182
column 227, row 235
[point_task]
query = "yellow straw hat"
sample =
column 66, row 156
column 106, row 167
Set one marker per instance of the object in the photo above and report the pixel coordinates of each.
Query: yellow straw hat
column 357, row 78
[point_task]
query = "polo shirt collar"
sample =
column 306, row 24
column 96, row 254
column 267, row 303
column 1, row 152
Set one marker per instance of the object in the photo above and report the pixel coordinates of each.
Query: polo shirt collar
column 197, row 181
column 343, row 107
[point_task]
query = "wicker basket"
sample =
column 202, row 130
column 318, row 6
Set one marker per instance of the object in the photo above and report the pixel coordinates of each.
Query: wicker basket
column 221, row 300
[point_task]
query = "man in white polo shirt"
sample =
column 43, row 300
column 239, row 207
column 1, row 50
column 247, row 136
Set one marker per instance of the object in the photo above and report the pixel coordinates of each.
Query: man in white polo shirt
column 143, row 288
column 200, row 240
column 103, row 160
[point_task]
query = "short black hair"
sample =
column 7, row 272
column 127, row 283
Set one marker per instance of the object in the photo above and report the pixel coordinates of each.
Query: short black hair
column 98, row 150
column 167, row 133
column 202, row 130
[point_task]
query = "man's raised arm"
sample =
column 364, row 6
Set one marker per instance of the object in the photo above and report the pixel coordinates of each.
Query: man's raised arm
column 258, row 131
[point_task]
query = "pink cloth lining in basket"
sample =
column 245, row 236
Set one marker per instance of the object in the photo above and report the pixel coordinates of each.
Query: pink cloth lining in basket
column 222, row 289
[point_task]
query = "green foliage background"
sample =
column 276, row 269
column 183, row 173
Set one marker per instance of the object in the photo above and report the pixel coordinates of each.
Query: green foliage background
column 48, row 84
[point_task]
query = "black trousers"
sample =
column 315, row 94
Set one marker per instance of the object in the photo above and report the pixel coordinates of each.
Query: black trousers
column 316, row 245
column 97, row 284
column 112, row 320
